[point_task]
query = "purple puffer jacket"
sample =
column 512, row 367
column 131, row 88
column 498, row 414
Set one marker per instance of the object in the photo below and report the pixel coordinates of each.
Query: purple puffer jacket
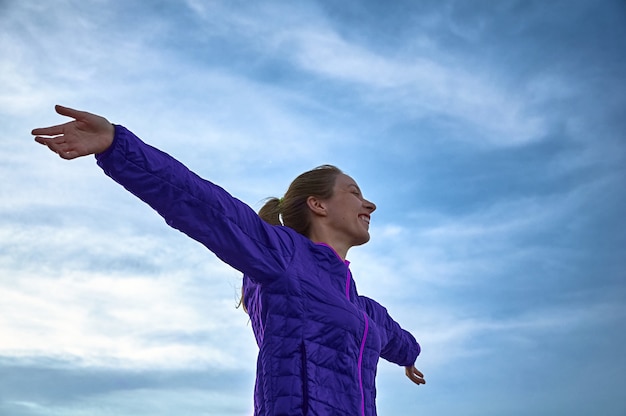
column 319, row 341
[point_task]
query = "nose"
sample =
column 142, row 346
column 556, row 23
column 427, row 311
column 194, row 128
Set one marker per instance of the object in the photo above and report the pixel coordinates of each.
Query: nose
column 370, row 206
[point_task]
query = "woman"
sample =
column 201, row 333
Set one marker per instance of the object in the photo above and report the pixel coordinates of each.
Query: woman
column 319, row 341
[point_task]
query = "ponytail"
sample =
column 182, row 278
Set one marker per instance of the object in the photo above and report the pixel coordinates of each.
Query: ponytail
column 270, row 212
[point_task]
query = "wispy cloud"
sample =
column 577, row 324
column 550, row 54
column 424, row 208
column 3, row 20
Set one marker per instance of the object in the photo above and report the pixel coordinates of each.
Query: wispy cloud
column 422, row 86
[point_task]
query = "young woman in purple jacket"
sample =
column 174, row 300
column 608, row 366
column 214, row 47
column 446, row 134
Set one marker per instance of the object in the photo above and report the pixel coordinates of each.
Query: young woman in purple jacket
column 319, row 340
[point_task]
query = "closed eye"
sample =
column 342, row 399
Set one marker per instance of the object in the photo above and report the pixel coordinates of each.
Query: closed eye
column 355, row 190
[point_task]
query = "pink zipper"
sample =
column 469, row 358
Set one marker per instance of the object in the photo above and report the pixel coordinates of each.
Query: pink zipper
column 360, row 361
column 365, row 331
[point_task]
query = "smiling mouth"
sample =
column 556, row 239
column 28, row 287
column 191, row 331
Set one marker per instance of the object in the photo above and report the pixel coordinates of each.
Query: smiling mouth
column 365, row 218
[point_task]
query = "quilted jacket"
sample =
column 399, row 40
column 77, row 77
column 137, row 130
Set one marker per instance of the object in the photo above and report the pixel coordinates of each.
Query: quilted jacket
column 319, row 340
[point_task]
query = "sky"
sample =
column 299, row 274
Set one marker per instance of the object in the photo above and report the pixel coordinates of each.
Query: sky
column 491, row 136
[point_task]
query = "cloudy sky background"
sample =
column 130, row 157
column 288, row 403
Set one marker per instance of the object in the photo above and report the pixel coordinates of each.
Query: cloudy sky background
column 491, row 135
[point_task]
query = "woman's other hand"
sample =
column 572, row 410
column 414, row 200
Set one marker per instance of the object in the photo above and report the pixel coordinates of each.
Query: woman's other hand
column 415, row 375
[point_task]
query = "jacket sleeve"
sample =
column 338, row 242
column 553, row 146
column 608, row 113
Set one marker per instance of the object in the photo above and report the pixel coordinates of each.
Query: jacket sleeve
column 197, row 207
column 397, row 345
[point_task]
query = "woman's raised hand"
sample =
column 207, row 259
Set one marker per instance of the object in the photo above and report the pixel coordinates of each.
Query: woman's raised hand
column 87, row 134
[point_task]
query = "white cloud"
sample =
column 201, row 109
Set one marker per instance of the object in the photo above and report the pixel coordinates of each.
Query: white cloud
column 99, row 320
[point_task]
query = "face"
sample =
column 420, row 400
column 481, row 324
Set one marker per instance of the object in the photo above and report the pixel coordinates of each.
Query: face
column 348, row 212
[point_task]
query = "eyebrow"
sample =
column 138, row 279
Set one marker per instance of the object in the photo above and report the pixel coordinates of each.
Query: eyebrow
column 352, row 185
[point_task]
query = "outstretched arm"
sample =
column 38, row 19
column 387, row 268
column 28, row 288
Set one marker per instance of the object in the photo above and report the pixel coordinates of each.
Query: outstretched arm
column 197, row 207
column 398, row 345
column 87, row 134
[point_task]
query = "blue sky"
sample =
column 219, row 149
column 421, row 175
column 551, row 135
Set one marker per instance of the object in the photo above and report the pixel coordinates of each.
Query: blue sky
column 491, row 135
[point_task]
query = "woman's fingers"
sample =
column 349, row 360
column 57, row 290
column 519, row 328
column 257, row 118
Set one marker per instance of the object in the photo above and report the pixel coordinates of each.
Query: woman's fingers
column 58, row 146
column 71, row 112
column 50, row 131
column 60, row 128
column 53, row 145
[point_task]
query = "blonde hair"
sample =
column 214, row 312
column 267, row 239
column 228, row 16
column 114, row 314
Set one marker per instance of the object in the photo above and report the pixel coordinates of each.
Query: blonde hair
column 292, row 209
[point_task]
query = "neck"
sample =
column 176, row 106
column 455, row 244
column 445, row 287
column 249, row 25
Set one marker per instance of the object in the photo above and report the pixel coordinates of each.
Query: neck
column 340, row 254
column 320, row 233
column 318, row 236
